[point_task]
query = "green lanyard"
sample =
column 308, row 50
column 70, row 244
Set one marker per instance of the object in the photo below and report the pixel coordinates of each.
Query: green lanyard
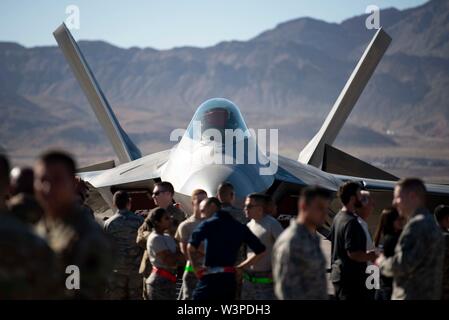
column 256, row 279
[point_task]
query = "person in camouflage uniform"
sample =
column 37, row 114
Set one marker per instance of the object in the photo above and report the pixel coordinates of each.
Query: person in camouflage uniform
column 27, row 264
column 145, row 267
column 82, row 193
column 23, row 204
column 182, row 235
column 163, row 193
column 417, row 265
column 257, row 279
column 299, row 266
column 124, row 282
column 442, row 217
column 26, row 208
column 76, row 238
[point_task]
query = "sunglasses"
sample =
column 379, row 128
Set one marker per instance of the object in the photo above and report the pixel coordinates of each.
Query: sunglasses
column 249, row 206
column 158, row 192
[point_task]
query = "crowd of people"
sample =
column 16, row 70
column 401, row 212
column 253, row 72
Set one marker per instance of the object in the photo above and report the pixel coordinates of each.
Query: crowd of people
column 52, row 247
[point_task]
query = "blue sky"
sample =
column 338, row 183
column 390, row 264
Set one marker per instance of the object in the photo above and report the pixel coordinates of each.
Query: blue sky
column 165, row 24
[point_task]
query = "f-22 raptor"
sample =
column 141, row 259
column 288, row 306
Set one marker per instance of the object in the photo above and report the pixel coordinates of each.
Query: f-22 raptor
column 185, row 164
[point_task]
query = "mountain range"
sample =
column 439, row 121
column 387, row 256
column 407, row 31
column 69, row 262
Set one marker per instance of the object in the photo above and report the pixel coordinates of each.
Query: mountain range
column 286, row 78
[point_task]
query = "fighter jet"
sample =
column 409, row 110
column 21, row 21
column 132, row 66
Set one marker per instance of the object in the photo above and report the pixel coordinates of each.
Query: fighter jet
column 188, row 164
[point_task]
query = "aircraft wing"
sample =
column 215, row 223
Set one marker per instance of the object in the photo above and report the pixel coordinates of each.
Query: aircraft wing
column 137, row 173
column 382, row 191
column 292, row 171
column 386, row 185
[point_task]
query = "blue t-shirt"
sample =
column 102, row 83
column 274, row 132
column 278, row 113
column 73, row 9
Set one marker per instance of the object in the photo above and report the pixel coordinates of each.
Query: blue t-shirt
column 223, row 236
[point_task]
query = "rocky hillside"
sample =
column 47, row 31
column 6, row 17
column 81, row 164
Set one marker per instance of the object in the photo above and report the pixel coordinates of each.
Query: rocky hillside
column 292, row 74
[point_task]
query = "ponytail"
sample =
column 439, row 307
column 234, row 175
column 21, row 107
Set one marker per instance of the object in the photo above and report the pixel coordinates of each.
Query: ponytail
column 154, row 216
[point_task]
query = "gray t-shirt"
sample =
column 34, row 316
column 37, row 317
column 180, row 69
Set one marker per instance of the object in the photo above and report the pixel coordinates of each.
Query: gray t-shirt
column 267, row 230
column 185, row 230
column 157, row 243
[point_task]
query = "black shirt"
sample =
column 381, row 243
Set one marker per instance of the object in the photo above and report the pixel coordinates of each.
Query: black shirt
column 223, row 236
column 347, row 235
column 389, row 243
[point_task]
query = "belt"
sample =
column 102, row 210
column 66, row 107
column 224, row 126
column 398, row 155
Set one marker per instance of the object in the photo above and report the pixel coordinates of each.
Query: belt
column 188, row 268
column 213, row 270
column 165, row 274
column 253, row 279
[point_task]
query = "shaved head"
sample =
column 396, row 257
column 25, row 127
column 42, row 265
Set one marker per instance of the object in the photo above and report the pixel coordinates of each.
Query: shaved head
column 225, row 193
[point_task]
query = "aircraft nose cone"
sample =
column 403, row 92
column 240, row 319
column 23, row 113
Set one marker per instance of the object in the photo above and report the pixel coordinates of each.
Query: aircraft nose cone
column 244, row 178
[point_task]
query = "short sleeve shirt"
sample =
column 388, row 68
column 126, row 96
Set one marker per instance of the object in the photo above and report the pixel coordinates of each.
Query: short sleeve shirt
column 347, row 235
column 267, row 230
column 157, row 243
column 223, row 236
column 186, row 228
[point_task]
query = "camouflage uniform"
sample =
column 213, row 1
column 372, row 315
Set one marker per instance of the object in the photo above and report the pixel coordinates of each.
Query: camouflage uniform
column 145, row 267
column 299, row 266
column 78, row 240
column 159, row 288
column 446, row 267
column 177, row 215
column 125, row 282
column 417, row 265
column 240, row 216
column 27, row 264
column 252, row 290
column 26, row 208
column 189, row 282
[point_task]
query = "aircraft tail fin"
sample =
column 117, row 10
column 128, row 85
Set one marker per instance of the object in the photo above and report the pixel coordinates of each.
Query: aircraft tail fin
column 124, row 148
column 313, row 152
column 339, row 162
